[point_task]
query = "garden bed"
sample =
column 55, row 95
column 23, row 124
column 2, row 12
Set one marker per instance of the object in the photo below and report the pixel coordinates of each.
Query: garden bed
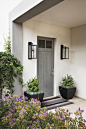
column 16, row 113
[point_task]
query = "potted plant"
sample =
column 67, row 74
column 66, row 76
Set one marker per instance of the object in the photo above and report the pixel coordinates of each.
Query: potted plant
column 67, row 90
column 34, row 90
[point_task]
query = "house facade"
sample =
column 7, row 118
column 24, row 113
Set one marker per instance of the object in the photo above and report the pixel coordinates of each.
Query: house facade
column 5, row 7
column 50, row 24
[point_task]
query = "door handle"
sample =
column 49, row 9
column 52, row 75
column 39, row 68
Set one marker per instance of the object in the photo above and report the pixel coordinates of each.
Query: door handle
column 52, row 72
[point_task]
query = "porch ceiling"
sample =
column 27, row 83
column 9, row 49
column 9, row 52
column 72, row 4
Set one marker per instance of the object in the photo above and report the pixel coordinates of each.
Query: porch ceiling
column 69, row 13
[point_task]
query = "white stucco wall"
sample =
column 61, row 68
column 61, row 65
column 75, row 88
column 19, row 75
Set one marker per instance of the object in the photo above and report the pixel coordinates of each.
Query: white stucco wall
column 62, row 35
column 5, row 7
column 75, row 40
column 78, row 59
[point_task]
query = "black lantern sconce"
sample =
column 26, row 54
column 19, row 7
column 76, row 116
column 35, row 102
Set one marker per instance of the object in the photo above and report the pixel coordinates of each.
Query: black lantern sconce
column 64, row 52
column 32, row 51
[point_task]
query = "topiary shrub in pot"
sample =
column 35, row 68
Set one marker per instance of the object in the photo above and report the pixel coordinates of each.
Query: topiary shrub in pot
column 67, row 90
column 34, row 90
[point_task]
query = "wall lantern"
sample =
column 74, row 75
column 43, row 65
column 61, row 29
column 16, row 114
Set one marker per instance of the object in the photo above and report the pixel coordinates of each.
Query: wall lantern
column 32, row 51
column 64, row 52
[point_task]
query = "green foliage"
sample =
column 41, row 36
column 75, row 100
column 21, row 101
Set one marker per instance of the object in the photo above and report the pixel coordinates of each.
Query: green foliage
column 7, row 45
column 67, row 81
column 20, row 80
column 10, row 67
column 33, row 85
column 20, row 114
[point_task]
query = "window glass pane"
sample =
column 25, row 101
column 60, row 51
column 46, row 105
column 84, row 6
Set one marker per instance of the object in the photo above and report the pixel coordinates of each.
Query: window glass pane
column 48, row 44
column 41, row 43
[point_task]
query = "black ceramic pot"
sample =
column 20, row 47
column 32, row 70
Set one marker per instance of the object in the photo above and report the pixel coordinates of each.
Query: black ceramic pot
column 36, row 95
column 67, row 93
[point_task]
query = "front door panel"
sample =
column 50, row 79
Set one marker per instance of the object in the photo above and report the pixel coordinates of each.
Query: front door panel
column 45, row 65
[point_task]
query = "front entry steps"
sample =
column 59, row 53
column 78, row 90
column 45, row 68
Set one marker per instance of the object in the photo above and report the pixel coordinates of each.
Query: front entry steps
column 54, row 102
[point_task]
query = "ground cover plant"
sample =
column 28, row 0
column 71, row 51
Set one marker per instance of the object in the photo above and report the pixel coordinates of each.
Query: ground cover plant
column 17, row 113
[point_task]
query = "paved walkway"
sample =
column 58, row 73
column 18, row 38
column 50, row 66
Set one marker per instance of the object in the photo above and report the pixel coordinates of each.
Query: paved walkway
column 78, row 102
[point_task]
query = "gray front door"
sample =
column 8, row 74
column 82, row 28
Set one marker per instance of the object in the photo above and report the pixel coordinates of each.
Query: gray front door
column 45, row 65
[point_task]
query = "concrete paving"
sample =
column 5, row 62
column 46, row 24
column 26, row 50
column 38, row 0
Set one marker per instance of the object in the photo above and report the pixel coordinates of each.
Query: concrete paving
column 78, row 102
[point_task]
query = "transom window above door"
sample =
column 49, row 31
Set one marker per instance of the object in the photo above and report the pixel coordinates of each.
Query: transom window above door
column 41, row 43
column 45, row 43
column 48, row 44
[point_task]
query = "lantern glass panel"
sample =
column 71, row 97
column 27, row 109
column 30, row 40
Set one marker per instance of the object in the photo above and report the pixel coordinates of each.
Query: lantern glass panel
column 63, row 52
column 32, row 48
column 33, row 51
column 30, row 51
column 67, row 51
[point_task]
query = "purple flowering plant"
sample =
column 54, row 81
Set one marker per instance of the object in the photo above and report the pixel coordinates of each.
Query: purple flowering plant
column 17, row 113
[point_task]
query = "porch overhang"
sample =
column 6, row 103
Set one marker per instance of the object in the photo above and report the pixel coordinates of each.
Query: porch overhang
column 40, row 7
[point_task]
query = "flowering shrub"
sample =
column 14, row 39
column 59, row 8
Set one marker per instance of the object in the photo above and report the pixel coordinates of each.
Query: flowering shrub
column 16, row 113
